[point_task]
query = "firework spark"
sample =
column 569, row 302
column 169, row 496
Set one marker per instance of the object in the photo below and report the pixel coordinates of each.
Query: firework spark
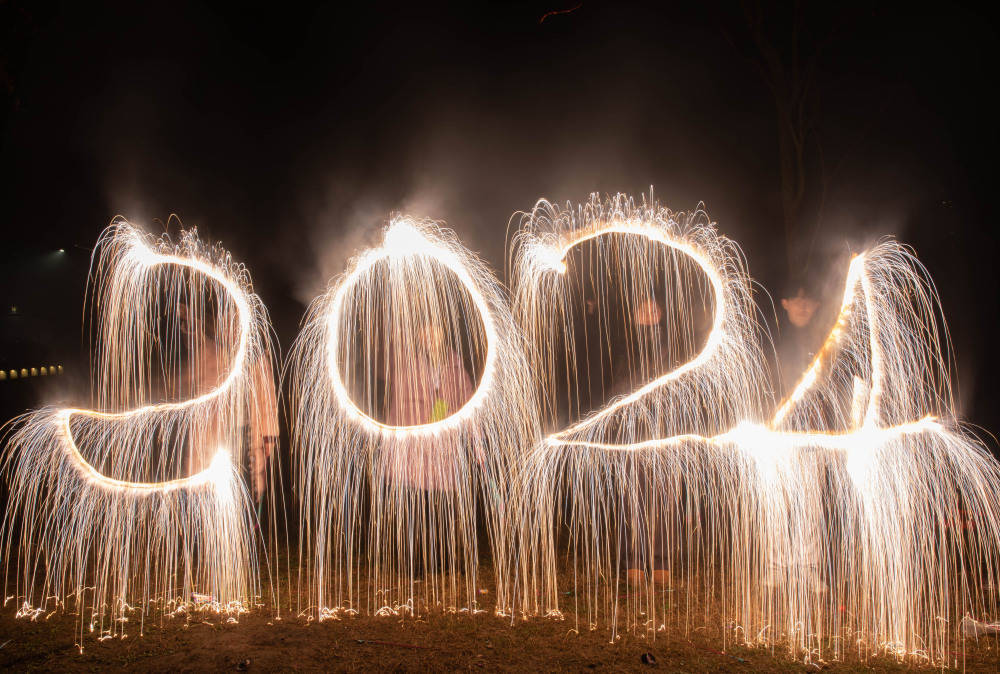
column 391, row 483
column 830, row 521
column 140, row 505
column 871, row 435
column 593, row 477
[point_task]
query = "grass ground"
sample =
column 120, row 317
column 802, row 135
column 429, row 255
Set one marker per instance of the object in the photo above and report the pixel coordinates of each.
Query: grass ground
column 439, row 642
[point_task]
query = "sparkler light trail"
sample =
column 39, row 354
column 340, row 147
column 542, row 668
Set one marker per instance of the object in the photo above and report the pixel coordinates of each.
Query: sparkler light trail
column 397, row 447
column 890, row 475
column 101, row 515
column 593, row 472
column 647, row 244
column 827, row 529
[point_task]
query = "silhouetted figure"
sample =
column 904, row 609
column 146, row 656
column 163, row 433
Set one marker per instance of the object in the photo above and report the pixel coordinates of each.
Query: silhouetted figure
column 646, row 357
column 427, row 387
column 800, row 336
column 202, row 373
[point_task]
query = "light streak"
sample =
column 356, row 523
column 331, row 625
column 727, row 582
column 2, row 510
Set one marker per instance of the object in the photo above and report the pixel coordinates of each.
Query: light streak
column 418, row 481
column 843, row 499
column 597, row 476
column 403, row 240
column 663, row 236
column 730, row 360
column 93, row 516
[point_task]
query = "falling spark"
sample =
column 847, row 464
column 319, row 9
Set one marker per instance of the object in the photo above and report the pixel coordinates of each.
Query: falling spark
column 390, row 499
column 592, row 477
column 95, row 516
column 842, row 499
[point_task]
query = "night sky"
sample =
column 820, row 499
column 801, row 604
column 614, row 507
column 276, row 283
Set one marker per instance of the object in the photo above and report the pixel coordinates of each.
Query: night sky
column 290, row 135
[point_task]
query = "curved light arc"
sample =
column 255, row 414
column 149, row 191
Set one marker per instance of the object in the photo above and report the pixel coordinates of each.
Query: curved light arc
column 440, row 254
column 141, row 252
column 711, row 344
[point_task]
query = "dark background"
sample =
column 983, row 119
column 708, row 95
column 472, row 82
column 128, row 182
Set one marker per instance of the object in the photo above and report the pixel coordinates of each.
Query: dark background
column 289, row 133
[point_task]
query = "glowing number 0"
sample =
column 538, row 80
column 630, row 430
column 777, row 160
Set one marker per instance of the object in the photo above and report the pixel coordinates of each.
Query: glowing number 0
column 347, row 460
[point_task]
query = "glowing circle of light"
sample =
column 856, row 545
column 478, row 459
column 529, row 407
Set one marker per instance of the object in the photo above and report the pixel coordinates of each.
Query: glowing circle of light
column 420, row 483
column 403, row 239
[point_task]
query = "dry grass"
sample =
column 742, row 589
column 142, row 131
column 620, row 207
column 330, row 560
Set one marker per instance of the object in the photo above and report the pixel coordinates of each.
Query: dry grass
column 438, row 642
